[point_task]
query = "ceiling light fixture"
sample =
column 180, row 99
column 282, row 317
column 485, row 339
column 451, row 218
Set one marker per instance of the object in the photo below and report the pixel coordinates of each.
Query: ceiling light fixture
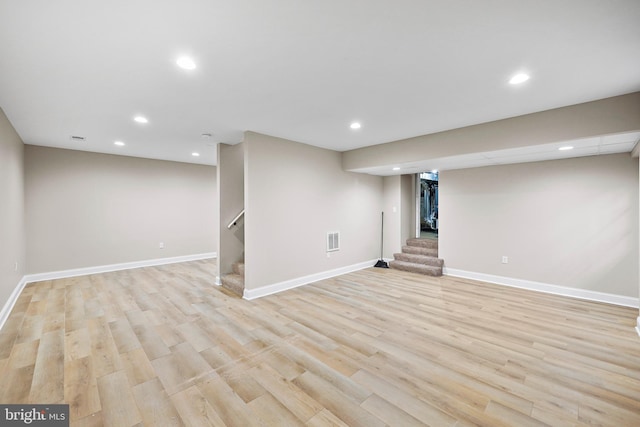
column 396, row 168
column 194, row 154
column 186, row 63
column 355, row 125
column 141, row 119
column 119, row 143
column 519, row 78
column 566, row 148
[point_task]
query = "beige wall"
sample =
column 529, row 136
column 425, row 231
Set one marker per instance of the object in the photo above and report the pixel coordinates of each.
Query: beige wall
column 294, row 195
column 392, row 207
column 408, row 189
column 86, row 209
column 606, row 116
column 571, row 223
column 12, row 229
column 398, row 204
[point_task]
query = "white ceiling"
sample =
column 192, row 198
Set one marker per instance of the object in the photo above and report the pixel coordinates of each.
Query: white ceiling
column 302, row 70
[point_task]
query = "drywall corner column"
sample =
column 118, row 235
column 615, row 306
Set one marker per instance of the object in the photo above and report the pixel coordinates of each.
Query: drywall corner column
column 408, row 194
column 230, row 204
column 12, row 227
column 392, row 215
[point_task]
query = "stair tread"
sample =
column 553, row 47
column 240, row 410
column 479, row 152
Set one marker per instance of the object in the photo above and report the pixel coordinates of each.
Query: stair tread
column 420, row 250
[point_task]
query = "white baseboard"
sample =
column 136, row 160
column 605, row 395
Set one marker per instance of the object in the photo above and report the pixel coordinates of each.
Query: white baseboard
column 30, row 278
column 250, row 294
column 115, row 267
column 547, row 288
column 11, row 302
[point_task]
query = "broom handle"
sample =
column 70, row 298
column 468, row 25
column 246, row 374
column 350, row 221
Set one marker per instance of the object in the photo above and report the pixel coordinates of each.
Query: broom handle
column 382, row 237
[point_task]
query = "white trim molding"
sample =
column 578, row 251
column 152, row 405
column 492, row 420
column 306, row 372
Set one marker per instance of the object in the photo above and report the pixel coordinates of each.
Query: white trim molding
column 546, row 288
column 638, row 325
column 250, row 294
column 116, row 267
column 11, row 302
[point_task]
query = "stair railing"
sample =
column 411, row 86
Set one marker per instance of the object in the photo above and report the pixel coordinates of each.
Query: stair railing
column 236, row 219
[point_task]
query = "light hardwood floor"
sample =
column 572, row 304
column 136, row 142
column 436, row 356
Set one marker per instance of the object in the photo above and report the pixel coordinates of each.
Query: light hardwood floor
column 162, row 346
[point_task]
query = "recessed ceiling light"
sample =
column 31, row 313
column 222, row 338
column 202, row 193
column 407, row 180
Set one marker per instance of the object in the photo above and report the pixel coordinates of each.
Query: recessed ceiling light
column 519, row 78
column 396, row 168
column 194, row 154
column 434, row 171
column 206, row 135
column 565, row 148
column 355, row 125
column 119, row 143
column 77, row 138
column 141, row 119
column 186, row 63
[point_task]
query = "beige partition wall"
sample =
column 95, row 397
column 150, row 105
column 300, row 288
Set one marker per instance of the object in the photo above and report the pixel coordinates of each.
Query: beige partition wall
column 231, row 166
column 295, row 195
column 408, row 206
column 12, row 228
column 392, row 207
column 570, row 223
column 87, row 209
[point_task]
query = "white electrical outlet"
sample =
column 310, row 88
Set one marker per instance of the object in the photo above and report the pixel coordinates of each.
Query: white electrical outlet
column 161, row 246
column 505, row 259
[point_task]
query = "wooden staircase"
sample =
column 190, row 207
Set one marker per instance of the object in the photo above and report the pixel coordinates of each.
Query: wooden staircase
column 419, row 256
column 235, row 281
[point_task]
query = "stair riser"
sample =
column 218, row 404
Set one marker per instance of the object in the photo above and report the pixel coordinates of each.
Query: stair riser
column 238, row 268
column 419, row 259
column 417, row 268
column 420, row 251
column 423, row 243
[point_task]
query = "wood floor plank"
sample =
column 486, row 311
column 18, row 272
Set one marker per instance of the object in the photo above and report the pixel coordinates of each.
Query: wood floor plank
column 118, row 405
column 195, row 410
column 155, row 406
column 344, row 407
column 81, row 388
column 272, row 413
column 48, row 377
column 287, row 393
column 164, row 346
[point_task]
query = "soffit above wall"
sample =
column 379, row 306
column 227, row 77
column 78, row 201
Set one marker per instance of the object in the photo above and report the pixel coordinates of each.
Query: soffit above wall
column 608, row 144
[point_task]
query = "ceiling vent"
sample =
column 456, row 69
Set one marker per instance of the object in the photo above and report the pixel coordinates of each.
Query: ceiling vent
column 77, row 138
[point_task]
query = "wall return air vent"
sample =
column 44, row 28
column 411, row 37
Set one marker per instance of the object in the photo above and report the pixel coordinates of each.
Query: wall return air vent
column 333, row 241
